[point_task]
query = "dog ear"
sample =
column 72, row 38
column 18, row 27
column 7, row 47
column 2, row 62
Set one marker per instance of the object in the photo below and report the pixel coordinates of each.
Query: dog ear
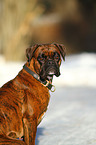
column 62, row 50
column 30, row 52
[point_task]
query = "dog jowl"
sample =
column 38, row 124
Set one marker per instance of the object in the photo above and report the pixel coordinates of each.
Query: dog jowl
column 24, row 100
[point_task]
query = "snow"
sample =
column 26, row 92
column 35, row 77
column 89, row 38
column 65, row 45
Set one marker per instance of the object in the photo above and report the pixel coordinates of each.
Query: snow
column 77, row 70
column 70, row 119
column 71, row 115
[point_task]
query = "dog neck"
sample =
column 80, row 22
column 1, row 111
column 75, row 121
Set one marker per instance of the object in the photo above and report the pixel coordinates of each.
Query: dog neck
column 46, row 83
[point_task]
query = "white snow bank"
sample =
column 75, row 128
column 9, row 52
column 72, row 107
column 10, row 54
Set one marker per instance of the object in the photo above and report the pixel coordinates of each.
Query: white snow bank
column 77, row 70
column 8, row 70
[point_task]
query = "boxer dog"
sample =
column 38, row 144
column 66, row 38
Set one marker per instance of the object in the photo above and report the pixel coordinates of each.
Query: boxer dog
column 24, row 100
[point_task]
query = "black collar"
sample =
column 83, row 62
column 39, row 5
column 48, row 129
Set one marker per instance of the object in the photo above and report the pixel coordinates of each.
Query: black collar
column 45, row 83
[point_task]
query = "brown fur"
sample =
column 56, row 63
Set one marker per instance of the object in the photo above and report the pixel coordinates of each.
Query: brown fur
column 23, row 101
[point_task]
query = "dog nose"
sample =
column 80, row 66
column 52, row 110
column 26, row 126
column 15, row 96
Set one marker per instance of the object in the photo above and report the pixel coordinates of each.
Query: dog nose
column 50, row 62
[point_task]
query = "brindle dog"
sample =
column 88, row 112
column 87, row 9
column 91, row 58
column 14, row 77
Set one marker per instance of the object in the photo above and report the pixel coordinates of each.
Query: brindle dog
column 24, row 100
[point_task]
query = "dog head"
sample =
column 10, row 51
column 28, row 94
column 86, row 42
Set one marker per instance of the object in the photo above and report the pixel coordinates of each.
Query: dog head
column 46, row 59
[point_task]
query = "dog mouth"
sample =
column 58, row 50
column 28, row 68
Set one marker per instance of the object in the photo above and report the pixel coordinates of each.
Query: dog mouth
column 49, row 73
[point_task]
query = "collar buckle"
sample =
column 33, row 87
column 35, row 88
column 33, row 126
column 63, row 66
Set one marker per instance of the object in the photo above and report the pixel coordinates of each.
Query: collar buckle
column 53, row 88
column 47, row 83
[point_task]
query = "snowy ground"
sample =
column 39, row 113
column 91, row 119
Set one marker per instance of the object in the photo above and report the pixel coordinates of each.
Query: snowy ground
column 77, row 70
column 71, row 115
column 70, row 119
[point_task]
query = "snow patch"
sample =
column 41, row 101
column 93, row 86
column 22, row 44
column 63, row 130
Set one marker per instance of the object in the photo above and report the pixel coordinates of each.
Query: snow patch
column 77, row 70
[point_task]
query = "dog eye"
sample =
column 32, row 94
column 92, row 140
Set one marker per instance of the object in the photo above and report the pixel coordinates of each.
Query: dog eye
column 56, row 57
column 42, row 58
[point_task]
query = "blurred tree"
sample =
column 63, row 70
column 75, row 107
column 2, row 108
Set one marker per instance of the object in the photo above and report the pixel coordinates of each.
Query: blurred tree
column 22, row 22
column 79, row 24
column 47, row 4
column 16, row 19
column 88, row 10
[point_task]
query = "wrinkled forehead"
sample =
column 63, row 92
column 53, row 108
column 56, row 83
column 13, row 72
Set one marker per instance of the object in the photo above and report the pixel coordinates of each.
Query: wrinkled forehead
column 47, row 50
